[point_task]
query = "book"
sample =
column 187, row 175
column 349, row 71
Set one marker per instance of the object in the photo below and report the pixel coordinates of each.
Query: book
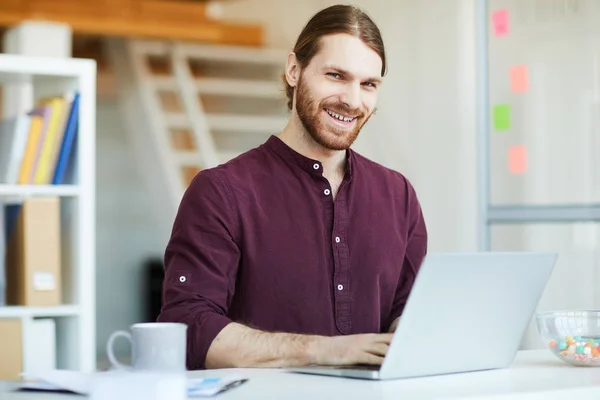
column 39, row 147
column 39, row 120
column 54, row 128
column 68, row 140
column 13, row 138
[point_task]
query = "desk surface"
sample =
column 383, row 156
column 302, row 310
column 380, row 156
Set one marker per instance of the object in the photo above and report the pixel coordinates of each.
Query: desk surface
column 535, row 374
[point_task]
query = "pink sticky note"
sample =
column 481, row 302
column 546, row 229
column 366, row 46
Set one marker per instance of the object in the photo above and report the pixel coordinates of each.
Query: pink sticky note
column 500, row 22
column 519, row 82
column 517, row 159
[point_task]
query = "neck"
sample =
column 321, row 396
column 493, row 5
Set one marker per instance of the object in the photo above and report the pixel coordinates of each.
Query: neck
column 296, row 137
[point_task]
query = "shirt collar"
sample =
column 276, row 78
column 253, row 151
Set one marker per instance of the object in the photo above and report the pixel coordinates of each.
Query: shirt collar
column 313, row 167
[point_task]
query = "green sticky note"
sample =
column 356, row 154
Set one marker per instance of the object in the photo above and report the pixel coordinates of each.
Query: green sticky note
column 502, row 117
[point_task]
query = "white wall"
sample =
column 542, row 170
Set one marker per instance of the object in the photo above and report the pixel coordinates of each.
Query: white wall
column 425, row 126
column 283, row 20
column 128, row 230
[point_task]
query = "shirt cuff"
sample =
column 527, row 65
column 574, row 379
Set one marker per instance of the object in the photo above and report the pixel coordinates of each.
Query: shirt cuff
column 201, row 337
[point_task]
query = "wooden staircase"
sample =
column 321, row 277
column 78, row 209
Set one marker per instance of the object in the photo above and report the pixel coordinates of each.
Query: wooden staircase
column 194, row 106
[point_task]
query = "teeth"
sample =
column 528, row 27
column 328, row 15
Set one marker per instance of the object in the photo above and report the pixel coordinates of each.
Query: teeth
column 340, row 117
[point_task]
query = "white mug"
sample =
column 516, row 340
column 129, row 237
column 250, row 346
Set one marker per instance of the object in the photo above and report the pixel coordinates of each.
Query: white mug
column 155, row 346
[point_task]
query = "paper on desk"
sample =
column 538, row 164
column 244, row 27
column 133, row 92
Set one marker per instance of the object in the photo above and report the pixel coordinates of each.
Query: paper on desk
column 59, row 380
column 81, row 383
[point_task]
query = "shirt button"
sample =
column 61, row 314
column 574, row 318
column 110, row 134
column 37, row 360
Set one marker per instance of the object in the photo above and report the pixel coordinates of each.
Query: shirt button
column 337, row 239
column 182, row 279
column 316, row 166
column 326, row 192
column 340, row 287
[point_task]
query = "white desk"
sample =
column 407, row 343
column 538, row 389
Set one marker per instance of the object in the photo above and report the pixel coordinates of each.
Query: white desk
column 534, row 375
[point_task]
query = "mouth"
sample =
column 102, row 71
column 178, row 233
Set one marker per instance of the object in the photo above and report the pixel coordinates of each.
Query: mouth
column 341, row 119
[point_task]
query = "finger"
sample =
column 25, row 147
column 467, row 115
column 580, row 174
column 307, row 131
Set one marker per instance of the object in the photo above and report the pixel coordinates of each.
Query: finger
column 367, row 358
column 379, row 349
column 384, row 338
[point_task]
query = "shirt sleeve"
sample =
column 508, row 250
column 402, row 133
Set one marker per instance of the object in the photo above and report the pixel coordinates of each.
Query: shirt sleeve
column 201, row 261
column 416, row 249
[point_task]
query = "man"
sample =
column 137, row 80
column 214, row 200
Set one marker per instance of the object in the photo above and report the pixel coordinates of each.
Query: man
column 300, row 251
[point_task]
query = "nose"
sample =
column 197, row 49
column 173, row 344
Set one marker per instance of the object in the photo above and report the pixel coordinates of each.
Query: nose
column 351, row 96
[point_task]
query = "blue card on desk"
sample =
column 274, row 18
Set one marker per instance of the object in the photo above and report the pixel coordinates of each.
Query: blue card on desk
column 211, row 386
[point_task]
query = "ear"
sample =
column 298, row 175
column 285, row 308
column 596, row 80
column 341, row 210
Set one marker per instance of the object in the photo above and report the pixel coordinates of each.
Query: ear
column 292, row 70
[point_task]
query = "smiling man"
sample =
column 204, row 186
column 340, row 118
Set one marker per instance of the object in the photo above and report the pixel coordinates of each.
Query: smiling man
column 300, row 251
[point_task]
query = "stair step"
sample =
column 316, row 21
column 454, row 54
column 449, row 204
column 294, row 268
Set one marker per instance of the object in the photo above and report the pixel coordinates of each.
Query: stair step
column 241, row 54
column 188, row 158
column 198, row 51
column 227, row 87
column 239, row 87
column 232, row 123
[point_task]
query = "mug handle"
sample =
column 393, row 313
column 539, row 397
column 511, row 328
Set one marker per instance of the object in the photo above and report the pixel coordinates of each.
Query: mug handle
column 109, row 348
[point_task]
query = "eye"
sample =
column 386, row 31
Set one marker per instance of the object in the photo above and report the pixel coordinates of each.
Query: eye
column 334, row 75
column 370, row 84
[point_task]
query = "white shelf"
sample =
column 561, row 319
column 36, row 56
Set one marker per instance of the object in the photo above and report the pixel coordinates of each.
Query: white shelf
column 34, row 312
column 32, row 78
column 14, row 68
column 38, row 190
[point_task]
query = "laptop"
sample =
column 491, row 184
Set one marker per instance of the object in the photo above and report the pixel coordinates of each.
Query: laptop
column 466, row 312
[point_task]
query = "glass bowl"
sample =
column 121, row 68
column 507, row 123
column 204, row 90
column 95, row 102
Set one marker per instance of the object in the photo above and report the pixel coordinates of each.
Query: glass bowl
column 572, row 336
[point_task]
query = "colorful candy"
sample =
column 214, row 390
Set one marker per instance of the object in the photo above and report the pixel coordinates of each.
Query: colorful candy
column 577, row 350
column 562, row 345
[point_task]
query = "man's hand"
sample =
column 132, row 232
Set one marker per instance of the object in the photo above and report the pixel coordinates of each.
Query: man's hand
column 353, row 349
column 240, row 346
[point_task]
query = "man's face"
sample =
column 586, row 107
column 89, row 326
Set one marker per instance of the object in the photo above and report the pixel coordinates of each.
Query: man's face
column 337, row 91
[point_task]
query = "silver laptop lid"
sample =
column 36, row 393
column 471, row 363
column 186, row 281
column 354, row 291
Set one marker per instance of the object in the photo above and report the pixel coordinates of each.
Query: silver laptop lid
column 467, row 312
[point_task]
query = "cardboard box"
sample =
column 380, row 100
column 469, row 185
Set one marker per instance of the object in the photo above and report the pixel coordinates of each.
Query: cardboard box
column 11, row 349
column 33, row 253
column 2, row 257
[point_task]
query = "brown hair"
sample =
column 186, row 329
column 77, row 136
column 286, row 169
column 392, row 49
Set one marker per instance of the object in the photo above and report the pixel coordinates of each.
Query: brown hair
column 339, row 18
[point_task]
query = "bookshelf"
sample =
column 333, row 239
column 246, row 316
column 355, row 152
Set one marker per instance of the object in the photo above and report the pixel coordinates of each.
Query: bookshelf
column 19, row 191
column 33, row 78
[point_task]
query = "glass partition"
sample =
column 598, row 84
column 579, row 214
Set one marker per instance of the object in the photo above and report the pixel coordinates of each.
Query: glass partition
column 543, row 62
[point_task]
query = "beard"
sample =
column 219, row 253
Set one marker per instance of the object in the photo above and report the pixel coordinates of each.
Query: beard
column 327, row 135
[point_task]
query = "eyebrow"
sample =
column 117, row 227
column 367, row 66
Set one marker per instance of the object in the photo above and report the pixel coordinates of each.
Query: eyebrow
column 348, row 73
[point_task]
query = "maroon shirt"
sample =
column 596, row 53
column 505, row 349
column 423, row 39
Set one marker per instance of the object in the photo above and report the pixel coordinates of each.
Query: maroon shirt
column 260, row 241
